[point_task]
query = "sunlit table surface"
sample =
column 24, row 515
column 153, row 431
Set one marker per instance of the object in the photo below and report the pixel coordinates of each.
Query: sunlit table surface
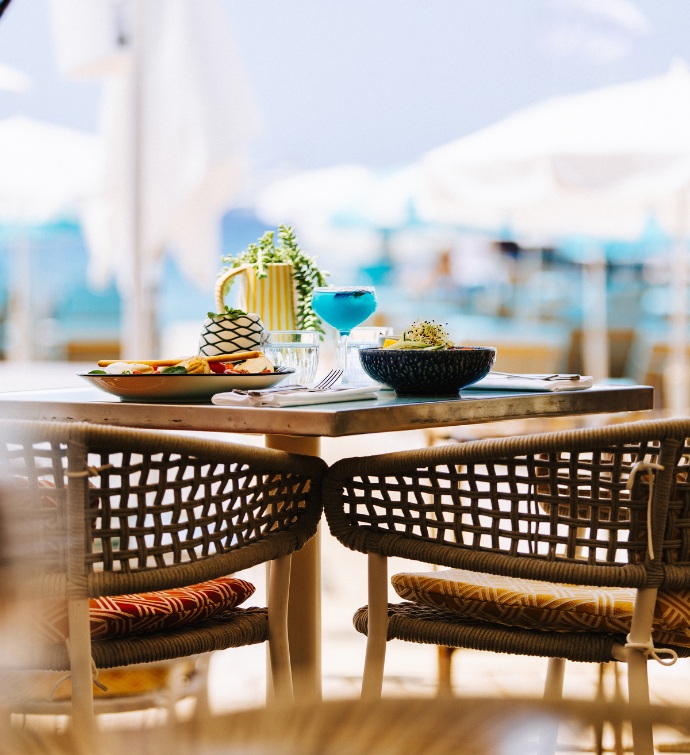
column 299, row 430
column 387, row 413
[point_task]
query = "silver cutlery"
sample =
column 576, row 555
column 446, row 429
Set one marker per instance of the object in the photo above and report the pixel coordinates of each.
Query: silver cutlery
column 554, row 376
column 323, row 385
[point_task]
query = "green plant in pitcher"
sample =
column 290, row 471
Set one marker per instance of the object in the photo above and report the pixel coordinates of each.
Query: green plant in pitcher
column 306, row 273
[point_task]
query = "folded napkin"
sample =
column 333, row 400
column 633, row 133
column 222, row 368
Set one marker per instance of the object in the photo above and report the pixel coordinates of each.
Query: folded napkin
column 529, row 382
column 294, row 397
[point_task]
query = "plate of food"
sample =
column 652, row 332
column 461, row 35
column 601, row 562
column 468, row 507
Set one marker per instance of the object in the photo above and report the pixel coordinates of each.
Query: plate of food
column 194, row 378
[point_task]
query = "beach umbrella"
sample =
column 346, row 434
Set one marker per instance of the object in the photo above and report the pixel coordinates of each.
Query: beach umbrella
column 178, row 117
column 309, row 196
column 46, row 169
column 309, row 199
column 347, row 209
column 598, row 163
column 12, row 80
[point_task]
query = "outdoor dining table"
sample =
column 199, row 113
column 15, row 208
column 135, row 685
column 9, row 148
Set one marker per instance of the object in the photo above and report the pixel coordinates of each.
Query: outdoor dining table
column 298, row 429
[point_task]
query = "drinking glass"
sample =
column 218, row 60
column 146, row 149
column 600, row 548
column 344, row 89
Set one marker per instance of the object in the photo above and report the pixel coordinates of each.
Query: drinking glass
column 297, row 349
column 362, row 338
column 343, row 307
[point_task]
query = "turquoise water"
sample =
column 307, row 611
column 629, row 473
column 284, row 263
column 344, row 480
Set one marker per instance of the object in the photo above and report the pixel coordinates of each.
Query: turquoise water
column 344, row 309
column 61, row 292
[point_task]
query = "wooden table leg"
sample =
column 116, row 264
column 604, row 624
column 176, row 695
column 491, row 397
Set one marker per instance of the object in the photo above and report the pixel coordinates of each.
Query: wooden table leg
column 304, row 606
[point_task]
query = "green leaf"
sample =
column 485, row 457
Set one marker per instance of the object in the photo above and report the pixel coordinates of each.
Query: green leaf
column 96, row 372
column 305, row 270
column 175, row 370
column 230, row 313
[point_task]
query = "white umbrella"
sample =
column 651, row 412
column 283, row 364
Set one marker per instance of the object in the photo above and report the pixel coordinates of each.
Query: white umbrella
column 46, row 171
column 308, row 200
column 12, row 80
column 312, row 195
column 344, row 210
column 178, row 119
column 599, row 163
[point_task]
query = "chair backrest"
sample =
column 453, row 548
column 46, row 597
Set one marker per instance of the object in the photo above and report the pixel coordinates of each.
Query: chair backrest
column 572, row 506
column 119, row 510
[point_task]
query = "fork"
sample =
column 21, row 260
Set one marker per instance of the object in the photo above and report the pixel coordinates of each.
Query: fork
column 329, row 381
column 323, row 385
column 555, row 376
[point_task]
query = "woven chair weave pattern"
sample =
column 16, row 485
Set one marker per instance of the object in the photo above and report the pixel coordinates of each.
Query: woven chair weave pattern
column 158, row 514
column 550, row 506
column 166, row 508
column 526, row 504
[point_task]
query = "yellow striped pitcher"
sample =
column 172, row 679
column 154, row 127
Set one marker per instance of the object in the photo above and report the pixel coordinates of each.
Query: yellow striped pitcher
column 272, row 297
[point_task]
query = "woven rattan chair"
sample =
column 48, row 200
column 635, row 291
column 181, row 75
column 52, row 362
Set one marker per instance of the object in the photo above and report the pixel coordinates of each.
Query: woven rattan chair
column 606, row 508
column 116, row 511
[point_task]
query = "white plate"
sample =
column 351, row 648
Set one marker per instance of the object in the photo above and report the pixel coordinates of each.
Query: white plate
column 169, row 388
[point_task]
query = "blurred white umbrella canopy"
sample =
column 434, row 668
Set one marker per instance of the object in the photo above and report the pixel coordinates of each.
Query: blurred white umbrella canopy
column 12, row 80
column 597, row 163
column 346, row 209
column 47, row 171
column 308, row 200
column 178, row 118
column 312, row 195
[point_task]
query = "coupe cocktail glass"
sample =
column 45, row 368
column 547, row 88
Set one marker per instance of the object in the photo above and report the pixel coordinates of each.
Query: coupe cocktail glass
column 344, row 307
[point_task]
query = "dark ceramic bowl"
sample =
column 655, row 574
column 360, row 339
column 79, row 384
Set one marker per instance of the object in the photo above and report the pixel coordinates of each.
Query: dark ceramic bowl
column 415, row 372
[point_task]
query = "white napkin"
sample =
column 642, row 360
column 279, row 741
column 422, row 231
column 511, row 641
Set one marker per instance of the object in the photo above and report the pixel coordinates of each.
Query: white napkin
column 294, row 398
column 495, row 382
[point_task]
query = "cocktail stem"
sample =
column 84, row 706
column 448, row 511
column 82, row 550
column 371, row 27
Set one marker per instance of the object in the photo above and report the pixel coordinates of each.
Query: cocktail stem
column 343, row 339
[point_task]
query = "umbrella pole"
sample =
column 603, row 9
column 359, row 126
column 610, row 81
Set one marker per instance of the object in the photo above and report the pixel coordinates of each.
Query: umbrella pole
column 138, row 335
column 21, row 317
column 676, row 376
column 595, row 343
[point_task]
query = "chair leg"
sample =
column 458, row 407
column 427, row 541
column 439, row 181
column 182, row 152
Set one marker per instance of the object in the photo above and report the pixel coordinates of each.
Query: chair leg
column 377, row 631
column 553, row 688
column 638, row 696
column 278, row 644
column 444, row 687
column 84, row 720
column 553, row 692
column 639, row 639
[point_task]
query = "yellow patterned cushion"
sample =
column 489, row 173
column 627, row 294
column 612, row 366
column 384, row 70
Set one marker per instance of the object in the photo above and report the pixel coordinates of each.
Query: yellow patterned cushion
column 119, row 682
column 532, row 604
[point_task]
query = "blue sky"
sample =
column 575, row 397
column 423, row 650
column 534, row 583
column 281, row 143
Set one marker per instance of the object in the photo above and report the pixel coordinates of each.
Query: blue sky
column 381, row 81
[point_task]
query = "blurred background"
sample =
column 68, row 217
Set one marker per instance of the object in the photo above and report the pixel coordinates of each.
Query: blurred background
column 518, row 171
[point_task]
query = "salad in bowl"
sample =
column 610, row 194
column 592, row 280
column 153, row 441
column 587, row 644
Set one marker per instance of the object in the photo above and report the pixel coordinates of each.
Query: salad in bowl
column 425, row 361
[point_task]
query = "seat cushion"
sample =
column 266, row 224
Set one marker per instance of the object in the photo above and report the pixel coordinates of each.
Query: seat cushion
column 532, row 604
column 123, row 615
column 129, row 681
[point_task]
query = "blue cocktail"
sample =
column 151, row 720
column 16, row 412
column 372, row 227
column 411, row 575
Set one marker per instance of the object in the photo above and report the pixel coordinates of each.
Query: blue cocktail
column 344, row 307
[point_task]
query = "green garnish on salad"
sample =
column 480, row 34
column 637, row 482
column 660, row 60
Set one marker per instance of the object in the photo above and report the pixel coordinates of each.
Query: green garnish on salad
column 424, row 334
column 175, row 370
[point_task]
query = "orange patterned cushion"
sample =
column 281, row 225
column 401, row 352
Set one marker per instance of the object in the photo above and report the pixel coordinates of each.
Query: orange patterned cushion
column 122, row 615
column 532, row 604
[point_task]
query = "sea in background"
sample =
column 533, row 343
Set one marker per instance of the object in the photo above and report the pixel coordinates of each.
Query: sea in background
column 54, row 259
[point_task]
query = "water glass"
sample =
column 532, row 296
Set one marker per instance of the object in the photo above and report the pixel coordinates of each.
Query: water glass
column 297, row 349
column 362, row 338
